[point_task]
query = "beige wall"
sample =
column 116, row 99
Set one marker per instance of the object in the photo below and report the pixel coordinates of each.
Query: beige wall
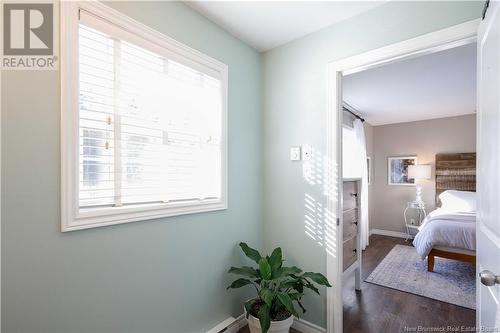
column 423, row 139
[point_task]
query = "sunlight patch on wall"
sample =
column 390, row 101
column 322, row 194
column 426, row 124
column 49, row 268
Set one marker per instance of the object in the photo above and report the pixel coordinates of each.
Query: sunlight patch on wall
column 314, row 214
column 319, row 221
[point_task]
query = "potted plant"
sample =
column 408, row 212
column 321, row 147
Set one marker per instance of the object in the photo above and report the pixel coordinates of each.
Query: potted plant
column 278, row 288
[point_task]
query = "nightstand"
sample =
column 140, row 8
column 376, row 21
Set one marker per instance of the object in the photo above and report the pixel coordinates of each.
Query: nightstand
column 414, row 214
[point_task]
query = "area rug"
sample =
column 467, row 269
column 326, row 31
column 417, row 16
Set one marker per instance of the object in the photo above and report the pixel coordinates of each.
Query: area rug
column 451, row 282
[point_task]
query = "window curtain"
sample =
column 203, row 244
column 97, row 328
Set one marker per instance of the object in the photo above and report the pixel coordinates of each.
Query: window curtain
column 362, row 171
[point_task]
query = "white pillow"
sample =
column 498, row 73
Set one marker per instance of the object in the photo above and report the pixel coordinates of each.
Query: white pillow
column 458, row 201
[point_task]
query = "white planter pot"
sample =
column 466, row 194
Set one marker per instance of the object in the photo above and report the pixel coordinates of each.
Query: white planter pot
column 282, row 326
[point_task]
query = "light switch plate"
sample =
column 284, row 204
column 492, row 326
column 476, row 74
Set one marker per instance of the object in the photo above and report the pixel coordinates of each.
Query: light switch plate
column 306, row 153
column 295, row 154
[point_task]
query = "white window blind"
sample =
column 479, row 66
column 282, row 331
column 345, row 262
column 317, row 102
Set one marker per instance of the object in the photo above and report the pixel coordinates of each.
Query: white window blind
column 150, row 126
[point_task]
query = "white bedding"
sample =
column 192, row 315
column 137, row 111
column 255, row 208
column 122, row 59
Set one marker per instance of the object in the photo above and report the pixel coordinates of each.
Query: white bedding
column 448, row 229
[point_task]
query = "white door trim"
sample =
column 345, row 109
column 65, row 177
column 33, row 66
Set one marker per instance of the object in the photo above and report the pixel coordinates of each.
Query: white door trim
column 440, row 40
column 1, row 169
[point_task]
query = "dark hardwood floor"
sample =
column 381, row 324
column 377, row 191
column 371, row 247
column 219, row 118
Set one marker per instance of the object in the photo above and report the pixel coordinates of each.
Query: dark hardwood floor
column 247, row 330
column 377, row 309
column 380, row 309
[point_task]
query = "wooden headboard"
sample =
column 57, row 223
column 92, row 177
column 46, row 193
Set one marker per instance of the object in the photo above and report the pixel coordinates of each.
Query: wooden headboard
column 455, row 172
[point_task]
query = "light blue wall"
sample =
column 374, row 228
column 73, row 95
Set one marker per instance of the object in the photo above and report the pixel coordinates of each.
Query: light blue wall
column 165, row 275
column 294, row 114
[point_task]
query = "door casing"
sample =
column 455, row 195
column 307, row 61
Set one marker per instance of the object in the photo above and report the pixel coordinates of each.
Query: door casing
column 458, row 35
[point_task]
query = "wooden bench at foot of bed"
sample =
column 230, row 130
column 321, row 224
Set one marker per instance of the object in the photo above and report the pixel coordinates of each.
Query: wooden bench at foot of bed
column 447, row 255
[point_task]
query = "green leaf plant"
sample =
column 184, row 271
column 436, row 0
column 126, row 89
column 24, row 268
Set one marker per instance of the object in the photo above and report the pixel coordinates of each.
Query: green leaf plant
column 279, row 288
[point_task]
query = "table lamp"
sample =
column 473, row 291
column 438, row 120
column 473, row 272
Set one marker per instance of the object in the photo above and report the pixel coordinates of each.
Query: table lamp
column 421, row 171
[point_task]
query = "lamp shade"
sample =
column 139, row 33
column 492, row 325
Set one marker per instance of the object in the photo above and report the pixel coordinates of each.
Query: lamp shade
column 421, row 171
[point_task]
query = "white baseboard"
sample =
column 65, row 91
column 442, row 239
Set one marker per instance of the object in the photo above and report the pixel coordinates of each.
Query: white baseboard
column 388, row 233
column 306, row 327
column 230, row 325
column 299, row 324
column 240, row 322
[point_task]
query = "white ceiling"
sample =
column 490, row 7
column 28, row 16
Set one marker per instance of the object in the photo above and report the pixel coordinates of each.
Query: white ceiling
column 268, row 24
column 433, row 86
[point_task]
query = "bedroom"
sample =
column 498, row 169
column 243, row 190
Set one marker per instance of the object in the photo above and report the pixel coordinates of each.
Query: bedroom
column 414, row 123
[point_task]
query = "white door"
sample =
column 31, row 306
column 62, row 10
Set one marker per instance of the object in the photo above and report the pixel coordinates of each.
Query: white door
column 488, row 179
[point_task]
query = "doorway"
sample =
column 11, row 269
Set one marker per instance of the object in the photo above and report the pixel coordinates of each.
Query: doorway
column 427, row 44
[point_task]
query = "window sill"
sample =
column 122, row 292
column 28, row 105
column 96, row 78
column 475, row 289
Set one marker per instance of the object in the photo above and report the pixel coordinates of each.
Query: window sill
column 100, row 217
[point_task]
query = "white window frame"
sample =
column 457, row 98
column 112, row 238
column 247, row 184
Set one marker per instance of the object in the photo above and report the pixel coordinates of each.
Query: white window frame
column 72, row 217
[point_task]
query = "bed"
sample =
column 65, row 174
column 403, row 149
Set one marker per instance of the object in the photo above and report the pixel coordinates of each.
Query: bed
column 450, row 230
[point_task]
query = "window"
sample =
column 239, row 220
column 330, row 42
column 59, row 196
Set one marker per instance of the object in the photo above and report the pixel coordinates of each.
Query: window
column 143, row 122
column 349, row 153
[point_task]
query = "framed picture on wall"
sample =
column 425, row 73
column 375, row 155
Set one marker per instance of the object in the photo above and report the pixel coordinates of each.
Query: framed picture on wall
column 397, row 170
